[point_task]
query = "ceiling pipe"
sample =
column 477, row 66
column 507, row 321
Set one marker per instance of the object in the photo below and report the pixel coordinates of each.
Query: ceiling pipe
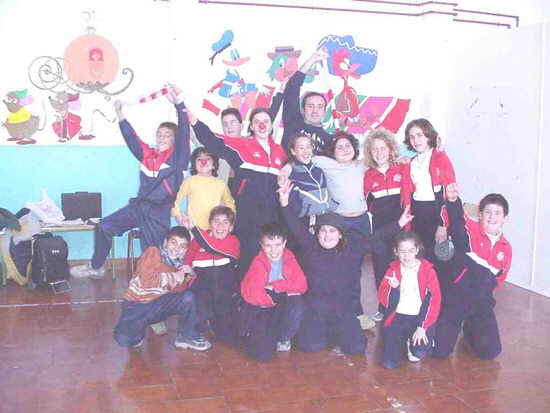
column 516, row 18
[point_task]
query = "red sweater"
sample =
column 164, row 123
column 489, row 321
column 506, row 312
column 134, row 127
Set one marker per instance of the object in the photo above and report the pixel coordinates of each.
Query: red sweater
column 427, row 283
column 257, row 278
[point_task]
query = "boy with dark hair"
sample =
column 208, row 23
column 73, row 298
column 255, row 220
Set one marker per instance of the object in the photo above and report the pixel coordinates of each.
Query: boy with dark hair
column 483, row 257
column 272, row 291
column 213, row 254
column 158, row 290
column 161, row 174
column 314, row 106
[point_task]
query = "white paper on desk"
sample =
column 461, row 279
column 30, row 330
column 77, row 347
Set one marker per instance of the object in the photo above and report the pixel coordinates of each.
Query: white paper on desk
column 66, row 223
column 46, row 210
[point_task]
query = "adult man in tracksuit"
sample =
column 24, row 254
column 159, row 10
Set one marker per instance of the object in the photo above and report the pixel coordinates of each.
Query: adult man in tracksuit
column 314, row 106
column 161, row 174
column 482, row 260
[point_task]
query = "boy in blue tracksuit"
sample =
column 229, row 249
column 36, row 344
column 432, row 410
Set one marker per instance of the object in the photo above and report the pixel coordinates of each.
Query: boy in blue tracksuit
column 161, row 174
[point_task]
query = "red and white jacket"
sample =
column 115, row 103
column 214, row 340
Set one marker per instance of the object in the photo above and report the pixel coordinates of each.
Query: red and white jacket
column 442, row 174
column 207, row 251
column 482, row 259
column 383, row 191
column 257, row 278
column 428, row 286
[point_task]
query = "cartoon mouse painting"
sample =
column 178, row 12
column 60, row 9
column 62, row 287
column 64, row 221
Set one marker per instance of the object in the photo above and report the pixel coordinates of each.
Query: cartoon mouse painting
column 20, row 123
column 67, row 124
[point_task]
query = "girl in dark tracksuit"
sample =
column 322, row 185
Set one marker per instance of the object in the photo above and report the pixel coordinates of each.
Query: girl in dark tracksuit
column 411, row 299
column 425, row 181
column 256, row 162
column 382, row 185
column 332, row 265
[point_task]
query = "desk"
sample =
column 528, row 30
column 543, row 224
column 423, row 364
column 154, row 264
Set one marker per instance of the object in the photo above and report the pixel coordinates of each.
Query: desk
column 82, row 227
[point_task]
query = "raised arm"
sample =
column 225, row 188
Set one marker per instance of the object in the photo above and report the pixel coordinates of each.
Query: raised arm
column 134, row 143
column 182, row 144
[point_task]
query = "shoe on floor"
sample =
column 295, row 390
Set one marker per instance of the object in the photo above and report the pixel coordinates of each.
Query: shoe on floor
column 410, row 355
column 159, row 328
column 377, row 317
column 199, row 343
column 86, row 271
column 366, row 322
column 284, row 345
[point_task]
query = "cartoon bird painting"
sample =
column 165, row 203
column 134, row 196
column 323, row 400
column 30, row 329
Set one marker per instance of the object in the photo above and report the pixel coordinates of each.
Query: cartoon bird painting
column 20, row 123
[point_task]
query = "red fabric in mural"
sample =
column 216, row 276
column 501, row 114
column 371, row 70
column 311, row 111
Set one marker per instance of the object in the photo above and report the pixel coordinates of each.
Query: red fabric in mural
column 396, row 117
column 71, row 124
column 206, row 104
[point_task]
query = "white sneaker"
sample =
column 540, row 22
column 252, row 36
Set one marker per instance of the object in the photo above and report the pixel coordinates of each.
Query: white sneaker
column 138, row 344
column 410, row 355
column 284, row 345
column 159, row 328
column 377, row 317
column 199, row 343
column 366, row 322
column 86, row 271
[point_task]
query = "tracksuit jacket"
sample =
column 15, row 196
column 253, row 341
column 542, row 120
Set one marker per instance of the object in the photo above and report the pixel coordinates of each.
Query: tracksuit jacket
column 384, row 194
column 428, row 286
column 442, row 174
column 256, row 198
column 253, row 285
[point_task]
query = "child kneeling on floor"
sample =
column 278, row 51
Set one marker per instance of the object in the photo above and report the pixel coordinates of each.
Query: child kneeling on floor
column 411, row 298
column 272, row 291
column 158, row 290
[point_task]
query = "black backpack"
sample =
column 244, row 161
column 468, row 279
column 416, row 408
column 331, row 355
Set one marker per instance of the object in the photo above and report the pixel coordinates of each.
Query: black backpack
column 49, row 266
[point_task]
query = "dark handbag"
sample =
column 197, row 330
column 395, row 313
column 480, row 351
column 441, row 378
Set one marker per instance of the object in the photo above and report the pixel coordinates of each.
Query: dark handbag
column 84, row 205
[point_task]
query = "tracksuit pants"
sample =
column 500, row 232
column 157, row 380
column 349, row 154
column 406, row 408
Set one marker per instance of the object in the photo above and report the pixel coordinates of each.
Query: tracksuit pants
column 153, row 221
column 425, row 223
column 476, row 318
column 395, row 338
column 135, row 317
column 320, row 331
column 262, row 328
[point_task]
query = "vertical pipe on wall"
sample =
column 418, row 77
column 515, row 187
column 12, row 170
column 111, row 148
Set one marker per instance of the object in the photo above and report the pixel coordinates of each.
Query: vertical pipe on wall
column 538, row 196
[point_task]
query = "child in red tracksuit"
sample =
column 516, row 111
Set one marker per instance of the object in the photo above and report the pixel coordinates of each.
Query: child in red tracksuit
column 272, row 291
column 425, row 181
column 411, row 297
column 482, row 260
column 382, row 187
column 214, row 254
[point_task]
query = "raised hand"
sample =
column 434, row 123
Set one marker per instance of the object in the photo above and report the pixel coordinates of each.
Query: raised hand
column 392, row 281
column 441, row 234
column 405, row 217
column 284, row 191
column 452, row 192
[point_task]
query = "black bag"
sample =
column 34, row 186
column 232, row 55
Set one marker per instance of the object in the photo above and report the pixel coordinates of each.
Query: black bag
column 83, row 205
column 49, row 265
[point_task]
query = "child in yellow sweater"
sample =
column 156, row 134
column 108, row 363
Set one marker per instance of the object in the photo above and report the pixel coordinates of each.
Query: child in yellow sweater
column 203, row 190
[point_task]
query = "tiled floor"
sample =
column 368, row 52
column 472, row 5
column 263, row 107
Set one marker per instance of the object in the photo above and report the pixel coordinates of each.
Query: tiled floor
column 57, row 355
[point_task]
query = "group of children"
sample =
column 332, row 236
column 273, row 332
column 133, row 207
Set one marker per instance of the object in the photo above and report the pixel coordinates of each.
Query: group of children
column 275, row 262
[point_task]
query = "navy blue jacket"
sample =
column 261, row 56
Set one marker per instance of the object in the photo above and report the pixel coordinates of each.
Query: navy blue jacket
column 161, row 173
column 294, row 120
column 332, row 275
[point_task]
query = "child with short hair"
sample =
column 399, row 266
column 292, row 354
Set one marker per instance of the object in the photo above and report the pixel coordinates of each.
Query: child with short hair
column 310, row 196
column 272, row 292
column 214, row 254
column 161, row 173
column 411, row 298
column 203, row 189
column 426, row 179
column 483, row 257
column 157, row 290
